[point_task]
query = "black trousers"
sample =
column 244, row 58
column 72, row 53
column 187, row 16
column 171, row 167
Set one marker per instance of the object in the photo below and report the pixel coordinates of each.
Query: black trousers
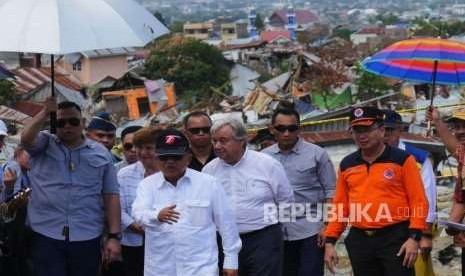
column 375, row 253
column 52, row 257
column 133, row 259
column 303, row 257
column 262, row 252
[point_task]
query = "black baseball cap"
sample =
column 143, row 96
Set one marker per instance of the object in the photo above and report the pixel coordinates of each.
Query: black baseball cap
column 171, row 142
column 365, row 116
column 392, row 119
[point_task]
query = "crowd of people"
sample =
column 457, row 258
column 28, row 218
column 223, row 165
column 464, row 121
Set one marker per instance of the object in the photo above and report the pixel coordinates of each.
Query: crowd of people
column 200, row 202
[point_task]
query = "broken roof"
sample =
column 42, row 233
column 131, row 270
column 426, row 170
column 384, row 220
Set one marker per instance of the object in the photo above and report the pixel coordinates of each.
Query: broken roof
column 29, row 79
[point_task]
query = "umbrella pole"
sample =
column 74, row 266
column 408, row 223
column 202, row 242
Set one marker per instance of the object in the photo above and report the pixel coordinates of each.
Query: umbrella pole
column 53, row 115
column 431, row 95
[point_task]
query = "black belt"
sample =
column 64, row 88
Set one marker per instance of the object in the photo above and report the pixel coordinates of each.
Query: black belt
column 253, row 233
column 371, row 232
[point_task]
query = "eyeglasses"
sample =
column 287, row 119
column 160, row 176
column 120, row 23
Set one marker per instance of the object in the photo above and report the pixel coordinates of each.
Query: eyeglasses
column 128, row 146
column 198, row 130
column 173, row 157
column 61, row 123
column 283, row 128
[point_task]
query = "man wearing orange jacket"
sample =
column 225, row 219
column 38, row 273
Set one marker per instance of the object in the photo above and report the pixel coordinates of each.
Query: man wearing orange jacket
column 379, row 191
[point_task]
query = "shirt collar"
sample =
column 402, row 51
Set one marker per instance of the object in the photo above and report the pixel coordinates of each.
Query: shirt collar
column 186, row 178
column 244, row 156
column 87, row 142
column 297, row 148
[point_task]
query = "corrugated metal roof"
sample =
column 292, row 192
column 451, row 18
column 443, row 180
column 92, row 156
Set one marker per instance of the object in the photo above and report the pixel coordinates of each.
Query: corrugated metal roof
column 10, row 114
column 241, row 79
column 108, row 52
column 28, row 108
column 31, row 79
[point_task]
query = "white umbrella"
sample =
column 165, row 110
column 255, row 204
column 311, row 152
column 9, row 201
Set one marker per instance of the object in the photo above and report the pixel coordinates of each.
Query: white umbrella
column 68, row 26
column 60, row 27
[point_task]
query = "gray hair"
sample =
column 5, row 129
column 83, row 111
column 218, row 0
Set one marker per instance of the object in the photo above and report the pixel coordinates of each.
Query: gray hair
column 239, row 129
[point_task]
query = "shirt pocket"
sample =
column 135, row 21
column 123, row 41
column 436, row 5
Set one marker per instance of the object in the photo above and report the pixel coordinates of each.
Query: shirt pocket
column 198, row 212
column 93, row 169
column 306, row 176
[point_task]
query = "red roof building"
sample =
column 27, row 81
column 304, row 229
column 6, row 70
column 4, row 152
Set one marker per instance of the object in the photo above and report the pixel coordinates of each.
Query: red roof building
column 270, row 36
column 304, row 19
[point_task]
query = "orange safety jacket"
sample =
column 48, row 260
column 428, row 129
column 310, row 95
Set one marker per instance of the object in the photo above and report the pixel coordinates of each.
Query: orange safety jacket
column 371, row 196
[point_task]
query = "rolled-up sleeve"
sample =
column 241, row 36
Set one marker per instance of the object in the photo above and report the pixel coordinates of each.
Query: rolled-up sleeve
column 110, row 181
column 226, row 225
column 40, row 144
column 327, row 175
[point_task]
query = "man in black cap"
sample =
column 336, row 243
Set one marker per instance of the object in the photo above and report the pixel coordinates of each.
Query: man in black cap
column 182, row 209
column 103, row 130
column 379, row 191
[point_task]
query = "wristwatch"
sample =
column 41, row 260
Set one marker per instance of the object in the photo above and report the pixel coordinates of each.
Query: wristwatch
column 116, row 236
column 415, row 234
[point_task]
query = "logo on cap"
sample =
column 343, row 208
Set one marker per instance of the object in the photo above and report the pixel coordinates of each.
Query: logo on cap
column 170, row 139
column 358, row 112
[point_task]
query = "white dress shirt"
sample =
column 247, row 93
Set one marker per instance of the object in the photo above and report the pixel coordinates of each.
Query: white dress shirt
column 188, row 247
column 129, row 178
column 429, row 181
column 254, row 182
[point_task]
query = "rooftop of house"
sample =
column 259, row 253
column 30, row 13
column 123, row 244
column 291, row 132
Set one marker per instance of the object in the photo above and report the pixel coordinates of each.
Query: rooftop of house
column 28, row 79
column 371, row 30
column 270, row 36
column 302, row 16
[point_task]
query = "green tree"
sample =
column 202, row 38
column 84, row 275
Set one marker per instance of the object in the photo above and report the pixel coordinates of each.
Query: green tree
column 177, row 27
column 259, row 24
column 160, row 17
column 369, row 85
column 342, row 33
column 7, row 92
column 192, row 65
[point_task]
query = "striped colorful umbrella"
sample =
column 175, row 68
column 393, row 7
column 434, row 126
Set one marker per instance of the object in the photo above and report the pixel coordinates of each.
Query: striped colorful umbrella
column 421, row 60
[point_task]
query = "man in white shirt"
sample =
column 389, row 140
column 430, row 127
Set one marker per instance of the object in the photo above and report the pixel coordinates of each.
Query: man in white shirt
column 256, row 184
column 181, row 209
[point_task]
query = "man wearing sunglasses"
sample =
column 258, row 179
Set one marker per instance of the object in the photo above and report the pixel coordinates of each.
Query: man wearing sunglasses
column 254, row 183
column 197, row 129
column 313, row 179
column 75, row 187
column 181, row 210
column 379, row 191
column 103, row 130
column 129, row 151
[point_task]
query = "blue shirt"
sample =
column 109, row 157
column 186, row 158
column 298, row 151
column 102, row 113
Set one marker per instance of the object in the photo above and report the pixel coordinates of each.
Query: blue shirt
column 67, row 187
column 313, row 179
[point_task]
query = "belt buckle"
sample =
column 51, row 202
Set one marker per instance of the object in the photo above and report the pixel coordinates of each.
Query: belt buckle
column 370, row 233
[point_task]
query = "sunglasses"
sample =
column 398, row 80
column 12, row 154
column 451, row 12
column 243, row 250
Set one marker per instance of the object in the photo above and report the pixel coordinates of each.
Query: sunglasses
column 128, row 146
column 198, row 130
column 283, row 128
column 173, row 157
column 61, row 123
